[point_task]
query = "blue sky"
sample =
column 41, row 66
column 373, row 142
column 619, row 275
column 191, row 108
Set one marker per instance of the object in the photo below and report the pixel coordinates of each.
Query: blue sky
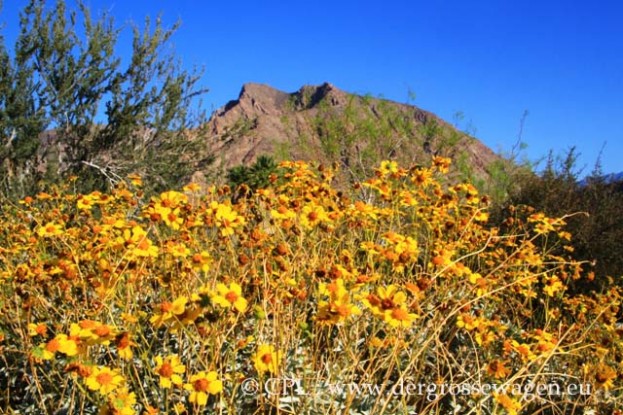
column 562, row 61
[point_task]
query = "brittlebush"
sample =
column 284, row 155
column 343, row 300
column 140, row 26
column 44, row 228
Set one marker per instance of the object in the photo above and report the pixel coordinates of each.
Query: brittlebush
column 398, row 299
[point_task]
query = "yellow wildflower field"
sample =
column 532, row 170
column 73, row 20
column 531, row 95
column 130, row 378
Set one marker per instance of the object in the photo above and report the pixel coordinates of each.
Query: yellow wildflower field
column 398, row 298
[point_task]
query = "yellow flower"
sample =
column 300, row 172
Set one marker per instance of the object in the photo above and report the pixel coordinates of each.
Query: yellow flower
column 399, row 317
column 229, row 296
column 361, row 208
column 389, row 304
column 467, row 321
column 605, row 375
column 266, row 359
column 481, row 216
column 312, row 215
column 122, row 402
column 480, row 283
column 546, row 341
column 138, row 243
column 523, row 350
column 104, row 380
column 201, row 261
column 282, row 213
column 61, row 343
column 169, row 311
column 192, row 187
column 553, row 285
column 178, row 250
column 387, row 167
column 37, row 330
column 124, row 345
column 226, row 218
column 201, row 384
column 92, row 332
column 484, row 336
column 50, row 229
column 169, row 370
column 508, row 403
column 421, row 177
column 172, row 199
column 442, row 163
column 171, row 217
column 339, row 307
column 135, row 179
column 384, row 299
column 86, row 202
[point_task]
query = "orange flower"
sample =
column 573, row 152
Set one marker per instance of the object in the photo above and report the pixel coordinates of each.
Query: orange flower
column 497, row 369
column 37, row 330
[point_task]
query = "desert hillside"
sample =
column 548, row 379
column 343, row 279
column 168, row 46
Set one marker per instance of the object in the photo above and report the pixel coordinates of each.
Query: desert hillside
column 325, row 124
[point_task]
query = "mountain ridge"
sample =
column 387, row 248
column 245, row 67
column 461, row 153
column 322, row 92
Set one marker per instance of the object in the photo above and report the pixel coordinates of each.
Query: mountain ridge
column 326, row 124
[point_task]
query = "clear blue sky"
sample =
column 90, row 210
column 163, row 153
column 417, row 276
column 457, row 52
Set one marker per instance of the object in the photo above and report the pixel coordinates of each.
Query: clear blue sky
column 491, row 60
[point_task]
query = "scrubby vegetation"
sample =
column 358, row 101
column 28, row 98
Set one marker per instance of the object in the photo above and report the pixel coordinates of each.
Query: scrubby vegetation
column 597, row 208
column 179, row 303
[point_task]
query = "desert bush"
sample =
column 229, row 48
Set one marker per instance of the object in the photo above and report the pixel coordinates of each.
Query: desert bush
column 297, row 299
column 595, row 209
column 256, row 176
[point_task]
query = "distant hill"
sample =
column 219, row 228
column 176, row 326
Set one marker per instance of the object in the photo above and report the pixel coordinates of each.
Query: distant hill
column 327, row 125
column 607, row 178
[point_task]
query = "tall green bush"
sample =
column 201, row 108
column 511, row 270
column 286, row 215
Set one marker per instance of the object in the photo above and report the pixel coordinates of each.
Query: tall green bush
column 107, row 119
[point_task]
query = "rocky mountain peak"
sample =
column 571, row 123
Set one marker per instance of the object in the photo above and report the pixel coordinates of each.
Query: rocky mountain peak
column 259, row 97
column 310, row 96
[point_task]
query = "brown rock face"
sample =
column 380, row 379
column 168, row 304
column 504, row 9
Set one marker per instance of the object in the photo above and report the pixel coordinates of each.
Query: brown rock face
column 325, row 124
